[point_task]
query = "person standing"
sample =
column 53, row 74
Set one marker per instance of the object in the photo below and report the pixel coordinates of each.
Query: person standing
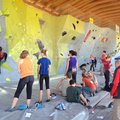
column 107, row 73
column 72, row 64
column 92, row 63
column 103, row 58
column 115, row 90
column 25, row 68
column 43, row 74
column 95, row 62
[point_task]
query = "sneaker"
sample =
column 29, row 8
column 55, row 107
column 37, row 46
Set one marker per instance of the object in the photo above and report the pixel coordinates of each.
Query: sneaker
column 38, row 102
column 88, row 100
column 23, row 107
column 10, row 110
column 48, row 100
column 39, row 106
column 53, row 96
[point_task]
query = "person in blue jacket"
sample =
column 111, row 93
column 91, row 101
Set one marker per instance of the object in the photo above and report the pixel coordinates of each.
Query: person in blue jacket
column 43, row 74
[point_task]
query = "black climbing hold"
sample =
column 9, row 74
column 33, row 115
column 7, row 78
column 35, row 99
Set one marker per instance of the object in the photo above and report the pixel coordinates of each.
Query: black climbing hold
column 73, row 38
column 77, row 21
column 61, row 54
column 74, row 26
column 93, row 37
column 64, row 33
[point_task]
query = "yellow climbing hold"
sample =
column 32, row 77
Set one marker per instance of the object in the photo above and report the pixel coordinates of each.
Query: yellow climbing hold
column 8, row 79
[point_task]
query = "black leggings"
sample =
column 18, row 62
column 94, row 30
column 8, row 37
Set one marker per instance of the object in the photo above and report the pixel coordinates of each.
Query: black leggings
column 92, row 67
column 25, row 81
column 107, row 79
column 42, row 77
column 74, row 74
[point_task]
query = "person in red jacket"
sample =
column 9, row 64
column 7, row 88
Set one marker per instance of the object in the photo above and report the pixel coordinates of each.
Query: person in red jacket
column 3, row 55
column 107, row 73
column 103, row 58
column 115, row 90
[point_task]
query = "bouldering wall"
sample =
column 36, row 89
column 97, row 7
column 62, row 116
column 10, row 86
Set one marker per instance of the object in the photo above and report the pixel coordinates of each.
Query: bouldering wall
column 24, row 27
column 8, row 68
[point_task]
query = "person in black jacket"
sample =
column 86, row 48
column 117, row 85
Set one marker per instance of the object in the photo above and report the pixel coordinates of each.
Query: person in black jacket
column 115, row 91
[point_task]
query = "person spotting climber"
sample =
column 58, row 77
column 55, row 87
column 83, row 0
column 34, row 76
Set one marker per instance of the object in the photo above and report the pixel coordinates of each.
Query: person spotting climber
column 72, row 64
column 25, row 68
column 115, row 90
column 43, row 73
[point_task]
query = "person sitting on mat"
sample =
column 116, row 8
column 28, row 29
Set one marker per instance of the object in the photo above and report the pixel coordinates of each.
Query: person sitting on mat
column 74, row 94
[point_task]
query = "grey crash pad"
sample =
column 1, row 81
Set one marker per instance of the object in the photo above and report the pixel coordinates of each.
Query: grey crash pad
column 105, row 102
column 97, row 98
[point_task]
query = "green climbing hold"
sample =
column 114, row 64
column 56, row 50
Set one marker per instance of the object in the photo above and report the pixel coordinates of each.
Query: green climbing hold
column 8, row 79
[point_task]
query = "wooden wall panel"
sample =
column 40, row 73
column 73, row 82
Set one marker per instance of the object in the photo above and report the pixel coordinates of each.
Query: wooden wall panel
column 104, row 12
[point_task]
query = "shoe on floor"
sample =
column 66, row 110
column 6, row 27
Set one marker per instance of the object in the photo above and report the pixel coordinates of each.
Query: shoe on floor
column 39, row 105
column 10, row 110
column 38, row 102
column 23, row 107
column 48, row 100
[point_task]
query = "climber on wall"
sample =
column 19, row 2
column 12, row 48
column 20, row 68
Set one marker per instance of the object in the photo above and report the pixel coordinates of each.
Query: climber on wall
column 3, row 57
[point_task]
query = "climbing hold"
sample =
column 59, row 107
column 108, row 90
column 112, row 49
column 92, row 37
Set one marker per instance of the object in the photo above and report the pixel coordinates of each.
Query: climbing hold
column 77, row 21
column 8, row 79
column 73, row 38
column 64, row 33
column 74, row 26
column 61, row 54
column 93, row 37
